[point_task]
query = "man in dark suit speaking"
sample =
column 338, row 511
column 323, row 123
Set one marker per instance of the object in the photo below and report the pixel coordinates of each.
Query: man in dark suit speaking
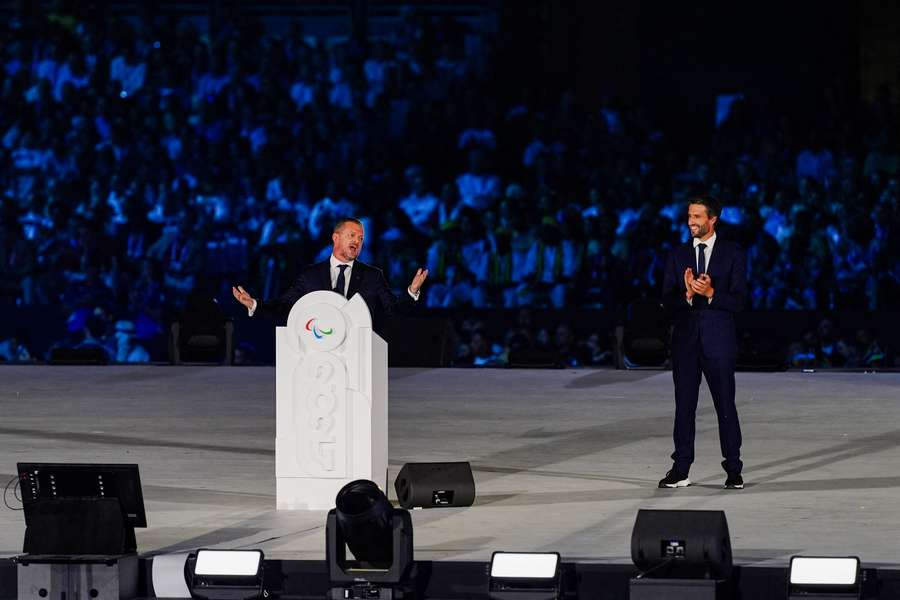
column 342, row 274
column 704, row 286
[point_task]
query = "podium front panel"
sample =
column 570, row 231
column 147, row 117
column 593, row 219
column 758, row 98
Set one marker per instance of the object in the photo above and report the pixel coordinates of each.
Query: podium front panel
column 331, row 401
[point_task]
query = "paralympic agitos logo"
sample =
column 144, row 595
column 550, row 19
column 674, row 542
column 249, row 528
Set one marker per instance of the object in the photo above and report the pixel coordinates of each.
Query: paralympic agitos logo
column 318, row 333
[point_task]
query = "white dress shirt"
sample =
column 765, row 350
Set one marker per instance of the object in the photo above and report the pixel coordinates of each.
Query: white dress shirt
column 335, row 271
column 707, row 254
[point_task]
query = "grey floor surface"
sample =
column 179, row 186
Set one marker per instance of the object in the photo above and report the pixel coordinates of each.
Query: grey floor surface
column 563, row 459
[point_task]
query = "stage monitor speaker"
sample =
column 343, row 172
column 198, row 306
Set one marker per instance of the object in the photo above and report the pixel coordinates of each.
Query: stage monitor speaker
column 682, row 544
column 431, row 485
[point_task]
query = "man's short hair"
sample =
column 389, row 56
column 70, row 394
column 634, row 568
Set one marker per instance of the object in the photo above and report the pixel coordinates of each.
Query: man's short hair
column 340, row 223
column 712, row 204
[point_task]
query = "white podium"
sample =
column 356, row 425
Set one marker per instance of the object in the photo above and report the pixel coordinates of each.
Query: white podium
column 331, row 412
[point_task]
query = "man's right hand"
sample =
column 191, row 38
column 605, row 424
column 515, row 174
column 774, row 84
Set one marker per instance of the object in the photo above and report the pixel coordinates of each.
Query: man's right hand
column 241, row 295
column 688, row 280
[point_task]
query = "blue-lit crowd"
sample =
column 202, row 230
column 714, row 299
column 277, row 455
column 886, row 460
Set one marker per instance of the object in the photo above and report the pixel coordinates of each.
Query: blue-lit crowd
column 145, row 160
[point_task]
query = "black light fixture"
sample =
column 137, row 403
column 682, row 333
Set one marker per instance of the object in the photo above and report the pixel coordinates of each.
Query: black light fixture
column 824, row 578
column 369, row 545
column 525, row 576
column 681, row 554
column 226, row 574
column 364, row 515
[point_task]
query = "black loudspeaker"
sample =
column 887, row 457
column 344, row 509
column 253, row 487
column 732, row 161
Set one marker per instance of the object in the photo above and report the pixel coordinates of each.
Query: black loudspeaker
column 682, row 543
column 430, row 485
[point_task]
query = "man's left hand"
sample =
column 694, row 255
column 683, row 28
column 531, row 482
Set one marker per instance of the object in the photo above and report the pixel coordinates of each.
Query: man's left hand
column 418, row 280
column 703, row 285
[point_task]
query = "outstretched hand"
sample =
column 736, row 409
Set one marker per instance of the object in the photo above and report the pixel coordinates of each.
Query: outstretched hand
column 241, row 295
column 418, row 280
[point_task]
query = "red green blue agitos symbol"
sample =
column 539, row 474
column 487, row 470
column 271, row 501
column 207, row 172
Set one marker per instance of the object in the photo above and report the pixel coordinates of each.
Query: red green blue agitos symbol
column 319, row 333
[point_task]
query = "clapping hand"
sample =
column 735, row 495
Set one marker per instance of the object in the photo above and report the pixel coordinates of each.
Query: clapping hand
column 689, row 282
column 702, row 285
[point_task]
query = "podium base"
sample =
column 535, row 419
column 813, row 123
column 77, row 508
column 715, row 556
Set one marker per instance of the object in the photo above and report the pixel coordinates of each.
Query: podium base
column 304, row 493
column 311, row 493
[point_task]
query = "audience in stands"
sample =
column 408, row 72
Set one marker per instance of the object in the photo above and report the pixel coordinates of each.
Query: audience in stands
column 139, row 160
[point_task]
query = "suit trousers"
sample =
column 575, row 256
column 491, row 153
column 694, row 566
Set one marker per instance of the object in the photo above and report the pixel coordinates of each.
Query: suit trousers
column 688, row 364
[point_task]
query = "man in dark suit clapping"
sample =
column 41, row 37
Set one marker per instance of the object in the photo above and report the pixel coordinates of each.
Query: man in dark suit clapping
column 342, row 274
column 705, row 285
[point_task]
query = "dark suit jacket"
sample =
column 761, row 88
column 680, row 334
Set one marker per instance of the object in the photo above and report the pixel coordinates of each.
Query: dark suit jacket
column 709, row 324
column 365, row 280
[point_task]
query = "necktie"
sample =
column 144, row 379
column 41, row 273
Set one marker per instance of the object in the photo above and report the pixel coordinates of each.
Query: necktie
column 339, row 285
column 701, row 259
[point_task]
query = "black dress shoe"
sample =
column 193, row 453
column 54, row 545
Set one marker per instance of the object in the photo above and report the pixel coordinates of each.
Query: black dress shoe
column 674, row 479
column 734, row 481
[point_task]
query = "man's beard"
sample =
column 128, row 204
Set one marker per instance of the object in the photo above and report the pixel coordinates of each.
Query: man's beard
column 701, row 231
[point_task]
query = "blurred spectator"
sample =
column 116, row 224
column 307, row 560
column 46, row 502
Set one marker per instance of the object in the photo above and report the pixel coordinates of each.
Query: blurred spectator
column 832, row 350
column 180, row 251
column 93, row 336
column 867, row 350
column 127, row 350
column 570, row 354
column 420, row 206
column 12, row 350
column 479, row 350
column 816, row 162
column 478, row 188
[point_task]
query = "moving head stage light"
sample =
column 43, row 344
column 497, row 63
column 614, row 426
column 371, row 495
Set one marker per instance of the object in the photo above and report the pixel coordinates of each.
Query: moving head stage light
column 369, row 545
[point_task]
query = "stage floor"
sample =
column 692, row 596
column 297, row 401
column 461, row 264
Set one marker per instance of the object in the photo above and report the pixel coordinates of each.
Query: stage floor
column 562, row 459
